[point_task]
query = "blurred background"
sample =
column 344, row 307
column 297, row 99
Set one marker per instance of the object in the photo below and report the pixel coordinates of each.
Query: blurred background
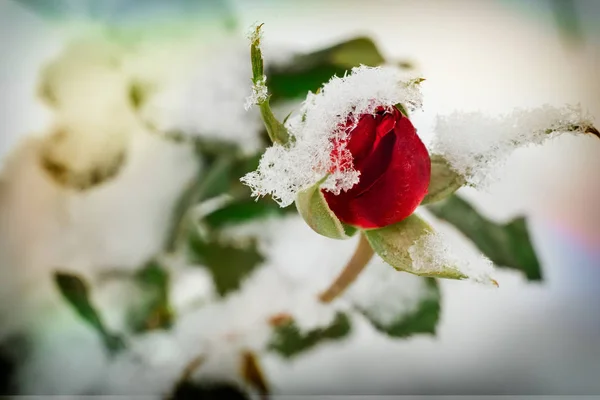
column 494, row 55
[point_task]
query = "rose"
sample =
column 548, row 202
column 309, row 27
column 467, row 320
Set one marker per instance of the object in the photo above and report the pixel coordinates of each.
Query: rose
column 394, row 171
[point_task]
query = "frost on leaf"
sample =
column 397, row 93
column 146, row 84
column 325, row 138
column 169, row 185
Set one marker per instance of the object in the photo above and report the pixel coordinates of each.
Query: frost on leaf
column 475, row 144
column 323, row 124
column 259, row 94
column 398, row 304
column 436, row 252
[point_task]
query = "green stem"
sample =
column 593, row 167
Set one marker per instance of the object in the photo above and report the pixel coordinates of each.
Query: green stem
column 351, row 271
column 276, row 130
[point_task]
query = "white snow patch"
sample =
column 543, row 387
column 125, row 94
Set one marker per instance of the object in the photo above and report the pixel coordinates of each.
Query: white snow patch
column 209, row 101
column 476, row 145
column 386, row 294
column 259, row 93
column 436, row 252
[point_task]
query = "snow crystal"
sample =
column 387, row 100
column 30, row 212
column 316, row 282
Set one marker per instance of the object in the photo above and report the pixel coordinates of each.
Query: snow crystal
column 255, row 35
column 475, row 144
column 386, row 294
column 286, row 170
column 259, row 93
column 436, row 252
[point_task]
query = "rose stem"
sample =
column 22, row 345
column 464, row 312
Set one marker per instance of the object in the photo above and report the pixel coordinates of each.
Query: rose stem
column 357, row 263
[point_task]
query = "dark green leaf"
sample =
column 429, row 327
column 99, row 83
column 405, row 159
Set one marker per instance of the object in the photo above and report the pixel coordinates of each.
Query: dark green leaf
column 310, row 71
column 155, row 312
column 243, row 211
column 229, row 265
column 76, row 292
column 423, row 319
column 289, row 341
column 507, row 245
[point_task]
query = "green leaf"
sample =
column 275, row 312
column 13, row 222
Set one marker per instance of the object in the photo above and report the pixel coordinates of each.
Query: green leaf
column 215, row 180
column 229, row 265
column 423, row 319
column 392, row 244
column 289, row 341
column 74, row 289
column 352, row 53
column 507, row 245
column 308, row 72
column 313, row 208
column 156, row 312
column 243, row 211
column 444, row 180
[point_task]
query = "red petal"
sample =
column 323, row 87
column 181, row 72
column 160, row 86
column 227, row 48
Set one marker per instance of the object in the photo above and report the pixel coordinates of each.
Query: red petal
column 394, row 178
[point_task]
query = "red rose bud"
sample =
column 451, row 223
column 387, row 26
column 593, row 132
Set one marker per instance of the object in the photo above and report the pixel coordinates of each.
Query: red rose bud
column 394, row 171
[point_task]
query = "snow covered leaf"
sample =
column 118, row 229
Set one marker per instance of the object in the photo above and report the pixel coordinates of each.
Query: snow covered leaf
column 289, row 341
column 308, row 72
column 394, row 242
column 423, row 319
column 228, row 264
column 313, row 208
column 507, row 245
column 93, row 119
column 74, row 289
column 156, row 312
column 399, row 305
column 444, row 180
column 475, row 145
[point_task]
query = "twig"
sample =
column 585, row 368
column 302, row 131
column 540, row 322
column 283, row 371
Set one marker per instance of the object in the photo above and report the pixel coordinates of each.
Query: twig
column 357, row 263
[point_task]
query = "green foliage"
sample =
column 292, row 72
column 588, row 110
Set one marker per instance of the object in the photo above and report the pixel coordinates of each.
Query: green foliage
column 310, row 71
column 74, row 289
column 155, row 313
column 289, row 341
column 507, row 245
column 422, row 320
column 228, row 264
column 244, row 210
column 392, row 244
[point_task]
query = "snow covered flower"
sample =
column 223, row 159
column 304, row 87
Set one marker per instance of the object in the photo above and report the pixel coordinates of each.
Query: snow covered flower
column 394, row 171
column 352, row 161
column 94, row 120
